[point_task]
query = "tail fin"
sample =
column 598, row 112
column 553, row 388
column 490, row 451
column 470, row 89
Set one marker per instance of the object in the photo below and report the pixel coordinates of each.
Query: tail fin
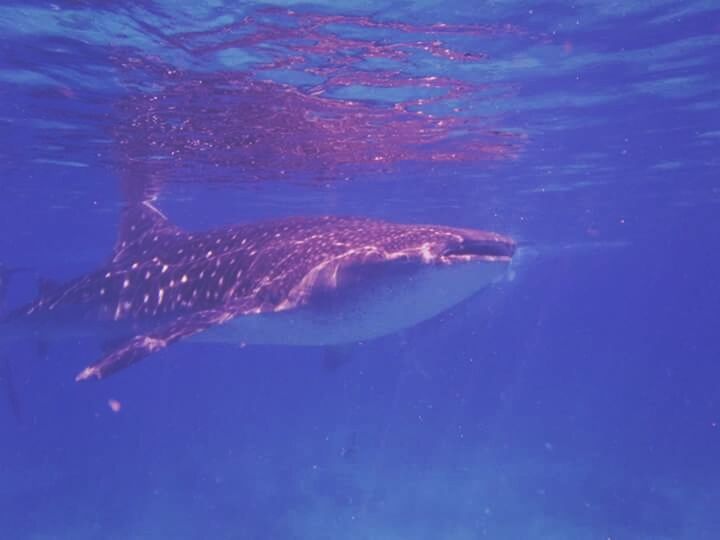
column 6, row 377
column 7, row 380
column 6, row 273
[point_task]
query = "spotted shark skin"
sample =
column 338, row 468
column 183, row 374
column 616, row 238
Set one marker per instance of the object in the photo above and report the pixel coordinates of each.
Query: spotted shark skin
column 167, row 284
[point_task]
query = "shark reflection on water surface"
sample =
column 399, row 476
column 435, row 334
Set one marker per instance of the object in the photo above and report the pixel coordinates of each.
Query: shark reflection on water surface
column 295, row 281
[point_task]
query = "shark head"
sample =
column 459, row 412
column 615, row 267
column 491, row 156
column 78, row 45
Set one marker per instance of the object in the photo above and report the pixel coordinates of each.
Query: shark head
column 440, row 245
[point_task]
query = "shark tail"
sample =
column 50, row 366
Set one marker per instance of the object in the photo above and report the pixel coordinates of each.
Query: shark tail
column 6, row 272
column 8, row 382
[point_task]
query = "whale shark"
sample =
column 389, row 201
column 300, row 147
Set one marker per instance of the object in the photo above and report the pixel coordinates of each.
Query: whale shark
column 321, row 280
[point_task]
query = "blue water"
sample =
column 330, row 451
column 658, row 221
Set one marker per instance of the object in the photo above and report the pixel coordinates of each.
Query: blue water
column 578, row 401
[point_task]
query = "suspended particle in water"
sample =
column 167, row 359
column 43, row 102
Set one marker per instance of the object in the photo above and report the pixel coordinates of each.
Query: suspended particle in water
column 114, row 405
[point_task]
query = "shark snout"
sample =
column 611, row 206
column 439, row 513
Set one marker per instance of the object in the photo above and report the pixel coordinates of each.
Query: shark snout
column 483, row 245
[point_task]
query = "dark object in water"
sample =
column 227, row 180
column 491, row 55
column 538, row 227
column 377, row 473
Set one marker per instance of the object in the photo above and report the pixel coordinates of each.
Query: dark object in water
column 5, row 274
column 6, row 377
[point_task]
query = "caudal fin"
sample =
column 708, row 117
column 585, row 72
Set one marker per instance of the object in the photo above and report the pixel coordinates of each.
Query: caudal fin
column 6, row 273
column 8, row 383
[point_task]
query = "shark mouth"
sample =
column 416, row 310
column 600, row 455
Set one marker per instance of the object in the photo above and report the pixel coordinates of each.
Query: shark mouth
column 489, row 249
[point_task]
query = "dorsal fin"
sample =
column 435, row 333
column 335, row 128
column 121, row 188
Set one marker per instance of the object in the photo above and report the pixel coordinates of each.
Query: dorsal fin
column 137, row 222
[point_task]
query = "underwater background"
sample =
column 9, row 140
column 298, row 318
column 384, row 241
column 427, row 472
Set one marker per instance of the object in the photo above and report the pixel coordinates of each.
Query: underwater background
column 581, row 400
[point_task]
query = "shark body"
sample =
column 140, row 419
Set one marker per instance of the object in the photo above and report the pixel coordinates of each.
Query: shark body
column 303, row 281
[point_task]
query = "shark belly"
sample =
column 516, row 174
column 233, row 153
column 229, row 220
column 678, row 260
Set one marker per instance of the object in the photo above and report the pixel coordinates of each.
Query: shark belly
column 365, row 312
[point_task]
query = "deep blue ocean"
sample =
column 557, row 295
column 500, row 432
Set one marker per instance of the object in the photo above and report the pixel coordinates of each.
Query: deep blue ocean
column 578, row 400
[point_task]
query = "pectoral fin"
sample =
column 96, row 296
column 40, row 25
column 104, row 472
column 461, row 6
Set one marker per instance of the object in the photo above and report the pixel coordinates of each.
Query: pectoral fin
column 141, row 346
